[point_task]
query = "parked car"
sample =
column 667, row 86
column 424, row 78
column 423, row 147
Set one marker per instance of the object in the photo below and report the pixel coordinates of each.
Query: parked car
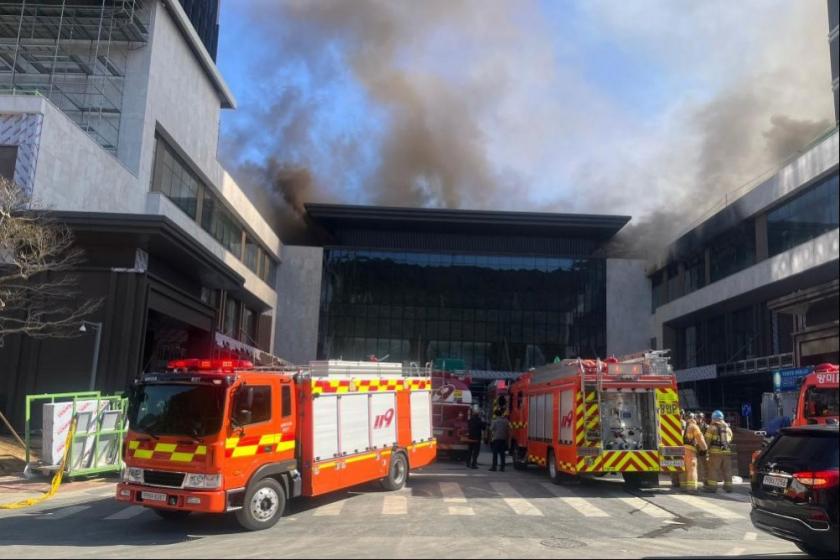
column 794, row 488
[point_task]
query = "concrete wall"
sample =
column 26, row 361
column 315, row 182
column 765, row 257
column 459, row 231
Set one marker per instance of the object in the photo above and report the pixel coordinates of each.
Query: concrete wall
column 298, row 303
column 628, row 307
column 71, row 167
column 819, row 251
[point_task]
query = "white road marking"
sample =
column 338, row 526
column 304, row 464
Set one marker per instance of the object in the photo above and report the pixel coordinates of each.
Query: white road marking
column 126, row 513
column 647, row 508
column 461, row 510
column 66, row 512
column 737, row 551
column 581, row 505
column 514, row 499
column 395, row 505
column 707, row 506
column 452, row 492
column 750, row 536
column 445, row 475
column 330, row 510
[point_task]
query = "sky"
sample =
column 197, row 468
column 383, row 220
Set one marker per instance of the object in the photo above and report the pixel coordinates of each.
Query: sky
column 647, row 108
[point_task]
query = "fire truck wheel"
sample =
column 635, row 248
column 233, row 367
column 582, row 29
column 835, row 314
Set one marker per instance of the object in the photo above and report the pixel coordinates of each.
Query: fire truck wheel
column 553, row 474
column 264, row 503
column 172, row 514
column 519, row 462
column 397, row 473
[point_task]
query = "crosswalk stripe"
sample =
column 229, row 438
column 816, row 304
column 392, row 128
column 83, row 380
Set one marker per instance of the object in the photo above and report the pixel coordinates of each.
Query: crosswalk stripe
column 647, row 508
column 330, row 510
column 514, row 499
column 452, row 492
column 705, row 505
column 581, row 505
column 66, row 512
column 750, row 536
column 395, row 505
column 126, row 513
column 461, row 510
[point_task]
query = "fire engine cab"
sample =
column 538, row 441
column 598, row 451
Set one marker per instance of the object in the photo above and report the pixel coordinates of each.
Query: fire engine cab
column 223, row 436
column 818, row 397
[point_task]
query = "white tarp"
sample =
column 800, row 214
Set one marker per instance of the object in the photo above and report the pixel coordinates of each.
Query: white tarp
column 325, row 427
column 421, row 416
column 56, row 424
column 383, row 420
column 355, row 436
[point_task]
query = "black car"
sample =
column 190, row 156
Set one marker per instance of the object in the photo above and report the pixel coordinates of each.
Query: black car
column 795, row 488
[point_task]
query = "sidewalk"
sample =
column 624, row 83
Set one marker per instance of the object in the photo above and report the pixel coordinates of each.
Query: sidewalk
column 15, row 488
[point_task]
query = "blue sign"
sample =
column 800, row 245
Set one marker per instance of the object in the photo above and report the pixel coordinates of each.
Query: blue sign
column 746, row 409
column 789, row 379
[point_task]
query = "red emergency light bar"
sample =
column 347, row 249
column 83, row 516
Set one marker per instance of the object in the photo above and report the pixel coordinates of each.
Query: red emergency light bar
column 195, row 364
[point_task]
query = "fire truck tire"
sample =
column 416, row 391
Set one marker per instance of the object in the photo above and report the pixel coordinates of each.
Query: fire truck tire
column 172, row 514
column 519, row 460
column 553, row 473
column 397, row 473
column 265, row 501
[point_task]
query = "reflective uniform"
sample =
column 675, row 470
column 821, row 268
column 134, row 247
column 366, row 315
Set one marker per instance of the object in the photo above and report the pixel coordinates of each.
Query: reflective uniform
column 694, row 441
column 719, row 467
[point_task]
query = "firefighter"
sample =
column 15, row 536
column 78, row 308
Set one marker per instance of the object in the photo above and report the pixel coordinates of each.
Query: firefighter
column 719, row 440
column 475, row 427
column 695, row 443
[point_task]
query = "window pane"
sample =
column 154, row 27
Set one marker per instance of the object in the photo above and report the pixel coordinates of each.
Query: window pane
column 804, row 217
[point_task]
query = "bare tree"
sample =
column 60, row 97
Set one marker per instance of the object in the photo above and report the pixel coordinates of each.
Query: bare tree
column 39, row 296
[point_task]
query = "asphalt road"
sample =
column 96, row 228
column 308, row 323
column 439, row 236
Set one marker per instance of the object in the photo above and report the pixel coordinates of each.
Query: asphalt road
column 445, row 511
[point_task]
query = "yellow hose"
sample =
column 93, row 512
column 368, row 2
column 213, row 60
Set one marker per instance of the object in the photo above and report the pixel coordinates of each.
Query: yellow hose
column 56, row 480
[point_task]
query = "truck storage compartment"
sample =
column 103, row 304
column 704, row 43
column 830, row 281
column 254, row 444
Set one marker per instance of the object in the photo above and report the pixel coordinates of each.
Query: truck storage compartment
column 628, row 420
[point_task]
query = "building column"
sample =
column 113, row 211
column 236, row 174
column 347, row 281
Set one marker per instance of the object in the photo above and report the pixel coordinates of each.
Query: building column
column 761, row 244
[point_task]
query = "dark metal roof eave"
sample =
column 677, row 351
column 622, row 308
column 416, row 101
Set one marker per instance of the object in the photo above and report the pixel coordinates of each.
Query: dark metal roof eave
column 146, row 224
column 386, row 217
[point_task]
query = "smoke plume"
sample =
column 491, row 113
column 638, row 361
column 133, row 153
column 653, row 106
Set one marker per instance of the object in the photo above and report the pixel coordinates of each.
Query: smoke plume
column 498, row 104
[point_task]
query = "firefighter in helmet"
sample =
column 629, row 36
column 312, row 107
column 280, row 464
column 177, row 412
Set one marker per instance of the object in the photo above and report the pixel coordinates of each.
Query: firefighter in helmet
column 719, row 439
column 694, row 443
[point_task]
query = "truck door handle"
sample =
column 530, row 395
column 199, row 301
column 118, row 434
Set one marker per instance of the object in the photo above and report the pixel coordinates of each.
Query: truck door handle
column 266, row 449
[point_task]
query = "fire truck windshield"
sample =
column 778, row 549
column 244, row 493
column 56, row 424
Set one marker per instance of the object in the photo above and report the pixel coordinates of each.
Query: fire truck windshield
column 821, row 402
column 176, row 409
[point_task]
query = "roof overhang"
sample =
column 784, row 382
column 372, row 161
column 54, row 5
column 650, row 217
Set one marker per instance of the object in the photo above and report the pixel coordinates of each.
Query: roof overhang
column 334, row 217
column 161, row 238
column 204, row 59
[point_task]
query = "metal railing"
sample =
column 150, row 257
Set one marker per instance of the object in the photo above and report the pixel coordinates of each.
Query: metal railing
column 760, row 364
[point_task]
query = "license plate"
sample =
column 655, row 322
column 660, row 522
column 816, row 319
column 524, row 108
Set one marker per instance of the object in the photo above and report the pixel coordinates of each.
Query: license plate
column 672, row 463
column 153, row 497
column 775, row 481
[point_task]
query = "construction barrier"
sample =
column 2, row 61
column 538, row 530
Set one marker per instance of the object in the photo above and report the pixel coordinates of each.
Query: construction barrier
column 100, row 426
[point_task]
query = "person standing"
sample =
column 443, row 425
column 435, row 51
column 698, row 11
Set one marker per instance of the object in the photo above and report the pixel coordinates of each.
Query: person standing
column 500, row 434
column 719, row 439
column 702, row 455
column 475, row 426
column 695, row 443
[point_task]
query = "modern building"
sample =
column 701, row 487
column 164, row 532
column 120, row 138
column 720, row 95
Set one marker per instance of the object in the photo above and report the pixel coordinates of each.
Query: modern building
column 504, row 291
column 109, row 116
column 752, row 290
column 834, row 51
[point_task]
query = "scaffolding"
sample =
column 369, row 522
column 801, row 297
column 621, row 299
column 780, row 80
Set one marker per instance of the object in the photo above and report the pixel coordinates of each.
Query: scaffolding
column 75, row 53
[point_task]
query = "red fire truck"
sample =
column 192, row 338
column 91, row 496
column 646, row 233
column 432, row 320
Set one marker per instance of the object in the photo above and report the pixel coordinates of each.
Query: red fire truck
column 588, row 417
column 451, row 401
column 222, row 436
column 818, row 396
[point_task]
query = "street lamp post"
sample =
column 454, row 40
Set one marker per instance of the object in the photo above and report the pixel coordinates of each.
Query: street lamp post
column 95, row 365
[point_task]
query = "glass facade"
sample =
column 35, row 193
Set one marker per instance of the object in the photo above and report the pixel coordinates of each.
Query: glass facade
column 495, row 312
column 732, row 251
column 172, row 177
column 804, row 217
